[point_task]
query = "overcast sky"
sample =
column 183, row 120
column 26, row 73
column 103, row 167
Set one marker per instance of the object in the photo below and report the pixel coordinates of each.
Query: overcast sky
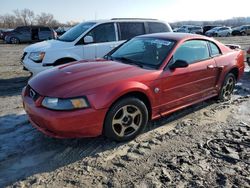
column 168, row 10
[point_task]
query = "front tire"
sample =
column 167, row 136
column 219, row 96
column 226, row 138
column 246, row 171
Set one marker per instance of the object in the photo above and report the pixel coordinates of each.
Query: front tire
column 126, row 119
column 227, row 87
column 14, row 40
column 243, row 33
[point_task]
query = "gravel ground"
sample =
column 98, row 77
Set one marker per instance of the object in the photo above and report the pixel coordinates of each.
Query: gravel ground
column 205, row 145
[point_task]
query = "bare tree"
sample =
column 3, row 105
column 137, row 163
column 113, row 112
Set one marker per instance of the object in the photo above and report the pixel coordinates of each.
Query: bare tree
column 44, row 18
column 71, row 23
column 24, row 17
column 8, row 21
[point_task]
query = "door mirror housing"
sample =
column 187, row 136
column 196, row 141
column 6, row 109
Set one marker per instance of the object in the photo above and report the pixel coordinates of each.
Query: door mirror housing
column 179, row 64
column 88, row 40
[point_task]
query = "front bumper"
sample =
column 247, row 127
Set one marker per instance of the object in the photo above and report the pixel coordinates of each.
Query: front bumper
column 64, row 124
column 33, row 67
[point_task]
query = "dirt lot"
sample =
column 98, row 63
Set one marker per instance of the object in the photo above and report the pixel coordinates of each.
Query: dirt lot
column 180, row 150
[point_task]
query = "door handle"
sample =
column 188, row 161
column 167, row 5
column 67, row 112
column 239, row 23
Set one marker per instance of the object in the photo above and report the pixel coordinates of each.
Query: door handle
column 210, row 66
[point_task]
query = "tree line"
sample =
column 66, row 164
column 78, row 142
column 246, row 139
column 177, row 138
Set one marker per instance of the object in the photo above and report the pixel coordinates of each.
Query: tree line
column 27, row 17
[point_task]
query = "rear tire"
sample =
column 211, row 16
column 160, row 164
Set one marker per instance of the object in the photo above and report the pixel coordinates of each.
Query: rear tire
column 125, row 119
column 227, row 87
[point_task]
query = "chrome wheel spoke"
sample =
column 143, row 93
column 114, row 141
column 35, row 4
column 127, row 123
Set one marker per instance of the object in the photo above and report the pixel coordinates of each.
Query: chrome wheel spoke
column 134, row 126
column 117, row 121
column 127, row 120
column 134, row 114
column 124, row 111
column 122, row 132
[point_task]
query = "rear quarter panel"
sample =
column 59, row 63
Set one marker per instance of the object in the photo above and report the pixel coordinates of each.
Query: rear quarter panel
column 229, row 60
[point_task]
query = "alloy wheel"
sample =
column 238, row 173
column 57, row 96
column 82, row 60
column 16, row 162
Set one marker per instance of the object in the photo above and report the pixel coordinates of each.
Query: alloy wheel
column 14, row 41
column 228, row 88
column 127, row 120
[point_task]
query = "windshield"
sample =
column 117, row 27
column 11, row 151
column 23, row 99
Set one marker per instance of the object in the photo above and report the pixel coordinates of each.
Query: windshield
column 76, row 31
column 144, row 52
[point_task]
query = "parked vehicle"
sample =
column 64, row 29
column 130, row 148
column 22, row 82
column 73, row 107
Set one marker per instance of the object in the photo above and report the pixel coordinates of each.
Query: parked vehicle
column 248, row 56
column 30, row 34
column 190, row 29
column 219, row 32
column 175, row 29
column 145, row 78
column 242, row 30
column 61, row 30
column 87, row 40
column 4, row 32
column 208, row 27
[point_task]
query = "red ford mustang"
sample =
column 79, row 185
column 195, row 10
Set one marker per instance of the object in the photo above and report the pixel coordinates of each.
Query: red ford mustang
column 146, row 78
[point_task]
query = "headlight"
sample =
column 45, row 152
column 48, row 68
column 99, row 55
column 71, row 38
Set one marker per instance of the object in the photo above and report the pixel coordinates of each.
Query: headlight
column 37, row 56
column 65, row 104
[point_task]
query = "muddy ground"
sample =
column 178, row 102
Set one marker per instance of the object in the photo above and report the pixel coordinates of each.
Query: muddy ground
column 205, row 145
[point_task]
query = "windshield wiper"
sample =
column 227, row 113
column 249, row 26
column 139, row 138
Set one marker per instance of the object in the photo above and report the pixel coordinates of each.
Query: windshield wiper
column 128, row 61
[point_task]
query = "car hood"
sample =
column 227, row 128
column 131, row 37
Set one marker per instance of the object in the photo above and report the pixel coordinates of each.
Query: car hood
column 45, row 45
column 82, row 78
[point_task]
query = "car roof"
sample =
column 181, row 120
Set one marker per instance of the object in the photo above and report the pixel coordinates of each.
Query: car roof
column 175, row 36
column 125, row 20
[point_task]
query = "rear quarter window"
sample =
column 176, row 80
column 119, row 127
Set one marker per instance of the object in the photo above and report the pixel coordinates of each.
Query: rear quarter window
column 129, row 30
column 214, row 49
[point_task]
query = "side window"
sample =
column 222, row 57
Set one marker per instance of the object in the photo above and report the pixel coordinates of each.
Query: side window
column 24, row 29
column 44, row 29
column 103, row 33
column 192, row 51
column 130, row 30
column 214, row 49
column 154, row 27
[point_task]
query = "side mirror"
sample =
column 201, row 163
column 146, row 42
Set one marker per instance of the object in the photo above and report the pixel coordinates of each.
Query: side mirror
column 88, row 39
column 179, row 64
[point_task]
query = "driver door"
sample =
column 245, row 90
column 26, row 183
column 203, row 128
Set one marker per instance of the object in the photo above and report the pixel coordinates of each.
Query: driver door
column 183, row 86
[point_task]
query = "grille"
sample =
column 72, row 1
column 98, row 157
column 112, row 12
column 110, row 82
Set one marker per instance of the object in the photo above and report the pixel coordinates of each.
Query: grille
column 32, row 93
column 23, row 56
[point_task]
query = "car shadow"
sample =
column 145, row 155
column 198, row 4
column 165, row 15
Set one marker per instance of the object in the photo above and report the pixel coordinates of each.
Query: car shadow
column 12, row 86
column 25, row 151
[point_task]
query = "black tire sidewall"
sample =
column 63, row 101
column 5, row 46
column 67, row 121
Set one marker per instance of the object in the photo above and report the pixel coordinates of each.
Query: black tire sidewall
column 108, row 130
column 221, row 97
